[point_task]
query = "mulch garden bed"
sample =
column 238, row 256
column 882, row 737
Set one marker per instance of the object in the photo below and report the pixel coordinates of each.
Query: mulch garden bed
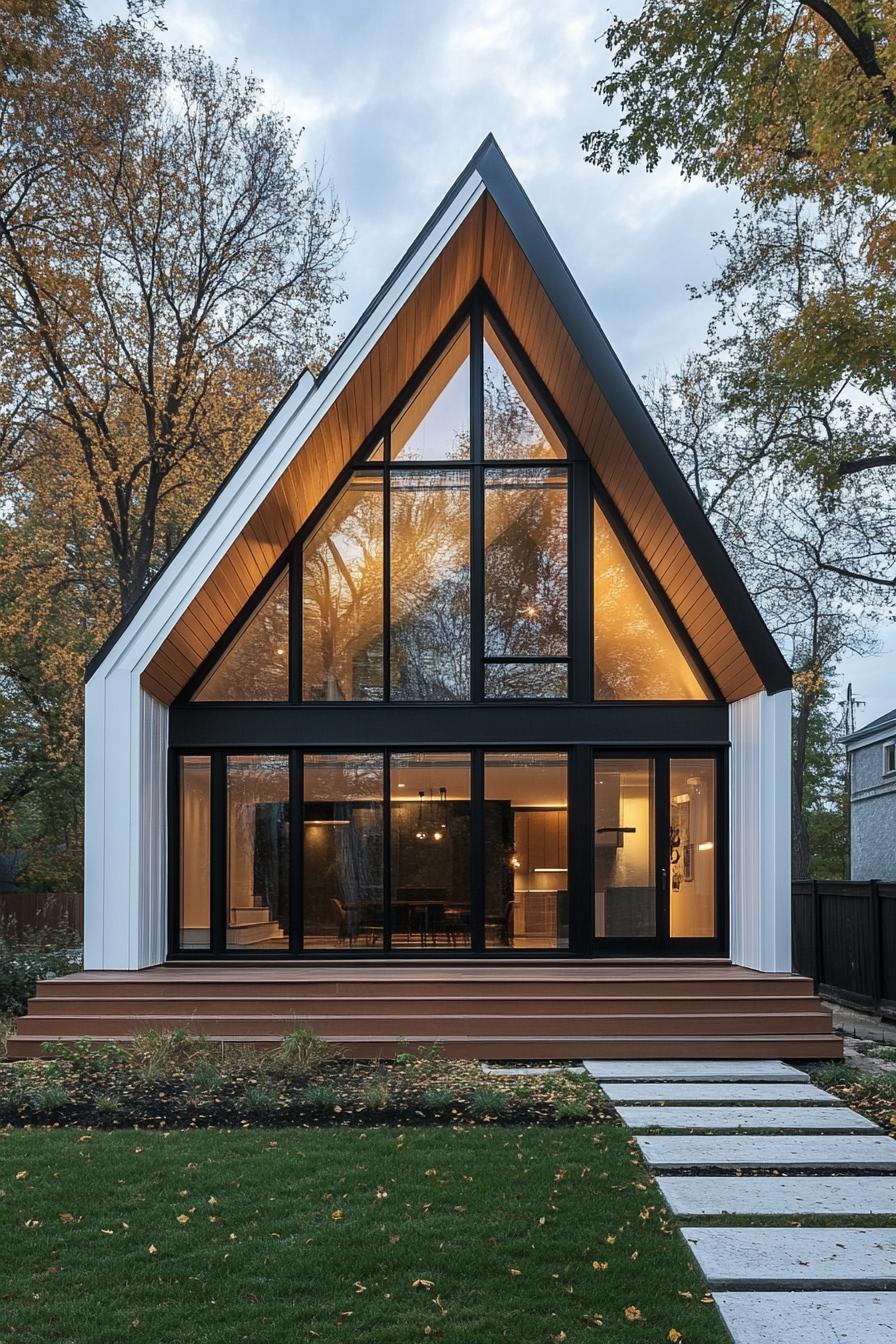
column 871, row 1094
column 179, row 1082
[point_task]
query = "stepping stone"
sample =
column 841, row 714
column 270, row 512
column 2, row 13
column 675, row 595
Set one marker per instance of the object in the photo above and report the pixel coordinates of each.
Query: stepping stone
column 723, row 1093
column 824, row 1118
column 868, row 1152
column 700, row 1070
column 831, row 1196
column 785, row 1318
column 798, row 1257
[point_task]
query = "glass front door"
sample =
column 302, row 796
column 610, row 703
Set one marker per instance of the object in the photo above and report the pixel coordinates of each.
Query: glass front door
column 655, row 853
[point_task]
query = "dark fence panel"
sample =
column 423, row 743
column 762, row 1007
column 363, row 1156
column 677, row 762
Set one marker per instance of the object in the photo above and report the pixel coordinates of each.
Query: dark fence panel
column 844, row 937
column 40, row 912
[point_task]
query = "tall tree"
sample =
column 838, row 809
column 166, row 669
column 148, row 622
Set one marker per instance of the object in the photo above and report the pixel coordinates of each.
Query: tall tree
column 789, row 102
column 778, row 529
column 168, row 265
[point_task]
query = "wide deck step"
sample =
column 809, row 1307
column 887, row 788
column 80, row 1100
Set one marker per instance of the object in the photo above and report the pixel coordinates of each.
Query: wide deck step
column 514, row 1010
column 526, row 1047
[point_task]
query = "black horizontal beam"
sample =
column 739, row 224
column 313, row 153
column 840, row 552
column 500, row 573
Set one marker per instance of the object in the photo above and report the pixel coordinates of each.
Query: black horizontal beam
column 354, row 726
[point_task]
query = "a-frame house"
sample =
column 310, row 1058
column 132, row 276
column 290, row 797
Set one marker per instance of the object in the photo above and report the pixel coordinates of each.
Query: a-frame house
column 450, row 718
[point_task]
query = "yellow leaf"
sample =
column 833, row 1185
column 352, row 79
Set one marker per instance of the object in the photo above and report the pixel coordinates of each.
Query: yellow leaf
column 515, row 1272
column 674, row 1336
column 599, row 1264
column 423, row 1283
column 632, row 1314
column 336, row 1215
column 153, row 1251
column 21, row 1175
column 183, row 1218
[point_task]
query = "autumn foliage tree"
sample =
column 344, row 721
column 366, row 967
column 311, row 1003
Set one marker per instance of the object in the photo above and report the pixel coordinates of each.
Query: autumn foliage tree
column 168, row 265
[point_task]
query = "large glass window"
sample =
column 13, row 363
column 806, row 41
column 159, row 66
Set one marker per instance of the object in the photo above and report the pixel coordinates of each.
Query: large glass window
column 342, row 878
column 195, row 851
column 430, row 849
column 526, row 863
column 256, row 665
column 258, row 852
column 637, row 656
column 526, row 578
column 435, row 425
column 429, row 591
column 342, row 597
column 625, row 893
column 692, row 848
column 515, row 425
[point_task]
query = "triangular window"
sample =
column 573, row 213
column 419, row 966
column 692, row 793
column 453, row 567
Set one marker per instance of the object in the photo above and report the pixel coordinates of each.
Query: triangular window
column 515, row 425
column 637, row 654
column 256, row 664
column 435, row 425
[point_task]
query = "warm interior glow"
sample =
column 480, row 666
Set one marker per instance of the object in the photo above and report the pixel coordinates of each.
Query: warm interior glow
column 637, row 656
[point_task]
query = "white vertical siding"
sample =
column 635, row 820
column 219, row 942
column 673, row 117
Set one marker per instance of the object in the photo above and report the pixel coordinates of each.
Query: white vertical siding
column 760, row 783
column 124, row 825
column 153, row 862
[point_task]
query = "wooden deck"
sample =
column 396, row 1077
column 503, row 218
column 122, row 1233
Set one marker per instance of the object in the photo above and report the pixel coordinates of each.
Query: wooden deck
column 512, row 1010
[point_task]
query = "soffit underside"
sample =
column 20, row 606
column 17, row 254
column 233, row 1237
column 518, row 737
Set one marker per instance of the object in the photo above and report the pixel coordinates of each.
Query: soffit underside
column 482, row 248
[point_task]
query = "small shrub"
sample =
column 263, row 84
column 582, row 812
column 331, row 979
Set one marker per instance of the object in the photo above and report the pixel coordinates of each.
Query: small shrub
column 484, row 1101
column 259, row 1101
column 301, row 1051
column 320, row 1095
column 108, row 1105
column 437, row 1098
column 571, row 1108
column 24, row 962
column 376, row 1096
column 885, row 1052
column 48, row 1098
column 206, row 1077
column 155, row 1054
column 85, row 1058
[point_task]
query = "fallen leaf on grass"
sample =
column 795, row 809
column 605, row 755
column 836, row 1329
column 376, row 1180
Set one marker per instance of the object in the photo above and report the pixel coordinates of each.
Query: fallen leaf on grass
column 599, row 1264
column 183, row 1218
column 21, row 1175
column 674, row 1336
column 423, row 1283
column 633, row 1314
column 153, row 1250
column 515, row 1272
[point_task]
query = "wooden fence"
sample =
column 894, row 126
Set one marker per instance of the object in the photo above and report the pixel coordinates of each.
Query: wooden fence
column 25, row 913
column 844, row 936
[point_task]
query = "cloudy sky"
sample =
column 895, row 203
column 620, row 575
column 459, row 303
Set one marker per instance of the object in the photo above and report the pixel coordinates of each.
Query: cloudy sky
column 396, row 95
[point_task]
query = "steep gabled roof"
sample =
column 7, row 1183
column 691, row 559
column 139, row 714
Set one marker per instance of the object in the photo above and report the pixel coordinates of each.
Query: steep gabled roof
column 484, row 231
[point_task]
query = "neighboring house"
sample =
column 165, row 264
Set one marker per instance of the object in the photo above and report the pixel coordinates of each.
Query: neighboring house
column 871, row 761
column 452, row 670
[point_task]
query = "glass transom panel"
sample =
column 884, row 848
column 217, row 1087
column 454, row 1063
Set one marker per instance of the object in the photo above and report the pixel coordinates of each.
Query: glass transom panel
column 515, row 426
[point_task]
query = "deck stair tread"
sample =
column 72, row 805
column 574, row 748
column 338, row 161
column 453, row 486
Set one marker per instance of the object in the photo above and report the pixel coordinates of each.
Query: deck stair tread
column 507, row 1010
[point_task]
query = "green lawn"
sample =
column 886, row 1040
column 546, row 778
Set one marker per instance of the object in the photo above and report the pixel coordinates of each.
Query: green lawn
column 462, row 1236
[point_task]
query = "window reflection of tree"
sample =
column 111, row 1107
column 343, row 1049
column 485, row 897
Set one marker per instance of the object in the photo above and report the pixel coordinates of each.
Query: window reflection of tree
column 512, row 429
column 430, row 585
column 526, row 562
column 256, row 666
column 343, row 598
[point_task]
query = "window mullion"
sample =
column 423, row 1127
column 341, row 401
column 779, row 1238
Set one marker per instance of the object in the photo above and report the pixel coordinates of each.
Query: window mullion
column 477, row 509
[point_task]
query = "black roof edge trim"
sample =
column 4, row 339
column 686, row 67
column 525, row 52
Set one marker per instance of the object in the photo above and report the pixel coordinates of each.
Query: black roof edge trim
column 603, row 363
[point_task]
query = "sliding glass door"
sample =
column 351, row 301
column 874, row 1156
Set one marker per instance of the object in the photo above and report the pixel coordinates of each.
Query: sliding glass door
column 442, row 851
column 656, row 854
